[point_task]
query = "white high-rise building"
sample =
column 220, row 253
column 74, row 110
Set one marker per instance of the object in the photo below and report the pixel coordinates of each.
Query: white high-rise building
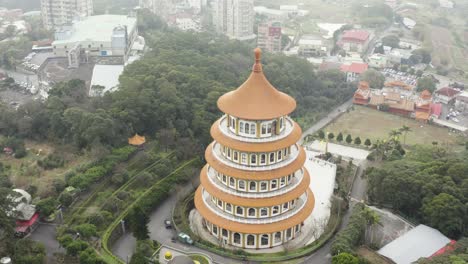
column 57, row 13
column 234, row 18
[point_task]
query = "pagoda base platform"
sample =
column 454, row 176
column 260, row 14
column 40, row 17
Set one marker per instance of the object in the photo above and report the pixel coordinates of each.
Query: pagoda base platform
column 305, row 237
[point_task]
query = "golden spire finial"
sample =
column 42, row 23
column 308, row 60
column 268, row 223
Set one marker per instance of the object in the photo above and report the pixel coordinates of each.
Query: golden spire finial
column 258, row 65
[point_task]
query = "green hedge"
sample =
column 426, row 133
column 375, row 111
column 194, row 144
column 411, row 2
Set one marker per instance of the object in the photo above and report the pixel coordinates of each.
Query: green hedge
column 149, row 200
column 102, row 168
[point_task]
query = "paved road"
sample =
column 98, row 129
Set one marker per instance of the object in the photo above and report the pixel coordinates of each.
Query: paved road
column 123, row 247
column 326, row 120
column 46, row 234
column 358, row 192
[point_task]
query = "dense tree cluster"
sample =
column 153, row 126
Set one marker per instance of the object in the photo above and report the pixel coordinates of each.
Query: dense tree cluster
column 428, row 185
column 353, row 234
column 174, row 87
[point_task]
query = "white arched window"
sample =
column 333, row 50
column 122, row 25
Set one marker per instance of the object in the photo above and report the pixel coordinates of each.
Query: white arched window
column 253, row 159
column 228, row 207
column 274, row 184
column 253, row 128
column 250, row 240
column 236, row 156
column 275, row 210
column 252, row 212
column 239, row 210
column 265, row 240
column 252, row 186
column 247, row 128
column 280, row 155
column 241, row 185
column 263, row 186
column 272, row 157
column 241, row 127
column 232, row 182
column 263, row 158
column 243, row 158
column 264, row 212
column 277, row 237
column 236, row 238
column 264, row 128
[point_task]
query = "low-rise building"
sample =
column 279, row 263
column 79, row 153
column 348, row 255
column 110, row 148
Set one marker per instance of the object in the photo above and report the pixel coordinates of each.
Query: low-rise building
column 96, row 36
column 105, row 79
column 378, row 61
column 310, row 46
column 409, row 23
column 461, row 102
column 399, row 56
column 269, row 36
column 355, row 40
column 187, row 24
column 354, row 71
column 446, row 95
column 271, row 14
column 420, row 242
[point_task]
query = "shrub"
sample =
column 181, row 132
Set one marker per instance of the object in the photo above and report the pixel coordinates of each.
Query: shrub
column 357, row 141
column 52, row 161
column 65, row 199
column 86, row 230
column 352, row 234
column 349, row 139
column 46, row 206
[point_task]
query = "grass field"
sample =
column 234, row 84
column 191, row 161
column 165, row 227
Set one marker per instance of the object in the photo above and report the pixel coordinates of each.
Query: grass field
column 25, row 172
column 369, row 123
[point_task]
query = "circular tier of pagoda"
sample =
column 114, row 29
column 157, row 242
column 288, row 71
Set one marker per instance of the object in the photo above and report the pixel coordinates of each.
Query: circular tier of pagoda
column 254, row 190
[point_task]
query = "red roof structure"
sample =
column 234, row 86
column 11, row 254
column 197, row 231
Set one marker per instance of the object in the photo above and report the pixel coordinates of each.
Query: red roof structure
column 448, row 91
column 354, row 67
column 355, row 36
column 436, row 109
column 23, row 225
column 447, row 249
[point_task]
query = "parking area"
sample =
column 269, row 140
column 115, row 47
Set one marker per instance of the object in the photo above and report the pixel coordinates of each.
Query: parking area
column 450, row 114
column 394, row 75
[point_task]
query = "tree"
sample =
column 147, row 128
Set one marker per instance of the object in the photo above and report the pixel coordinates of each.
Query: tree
column 86, row 230
column 345, row 258
column 405, row 129
column 391, row 41
column 339, row 138
column 375, row 78
column 445, row 213
column 138, row 221
column 394, row 134
column 166, row 138
column 367, row 143
column 330, row 136
column 65, row 199
column 357, row 141
column 29, row 252
column 424, row 54
column 321, row 134
column 46, row 206
column 75, row 247
column 426, row 83
column 349, row 139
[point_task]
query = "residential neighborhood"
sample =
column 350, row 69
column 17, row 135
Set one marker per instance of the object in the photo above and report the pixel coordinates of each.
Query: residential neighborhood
column 233, row 131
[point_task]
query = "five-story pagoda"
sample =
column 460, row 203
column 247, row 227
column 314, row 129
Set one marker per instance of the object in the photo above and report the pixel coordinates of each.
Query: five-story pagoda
column 254, row 191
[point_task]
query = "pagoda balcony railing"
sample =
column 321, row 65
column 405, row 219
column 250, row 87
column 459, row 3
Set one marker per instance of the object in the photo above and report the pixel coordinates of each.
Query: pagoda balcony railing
column 292, row 157
column 301, row 202
column 295, row 181
column 289, row 125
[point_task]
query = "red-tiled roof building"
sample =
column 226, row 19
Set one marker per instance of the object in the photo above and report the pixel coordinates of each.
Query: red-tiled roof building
column 355, row 40
column 354, row 70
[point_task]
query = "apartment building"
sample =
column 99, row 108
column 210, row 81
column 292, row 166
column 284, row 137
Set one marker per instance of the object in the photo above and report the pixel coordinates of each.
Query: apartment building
column 234, row 18
column 56, row 13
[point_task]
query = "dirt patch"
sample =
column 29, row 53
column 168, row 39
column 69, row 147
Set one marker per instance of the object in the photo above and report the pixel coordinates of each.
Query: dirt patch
column 372, row 256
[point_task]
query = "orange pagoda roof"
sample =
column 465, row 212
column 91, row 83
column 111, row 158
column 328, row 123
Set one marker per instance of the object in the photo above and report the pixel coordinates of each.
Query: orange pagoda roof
column 136, row 140
column 256, row 98
column 426, row 95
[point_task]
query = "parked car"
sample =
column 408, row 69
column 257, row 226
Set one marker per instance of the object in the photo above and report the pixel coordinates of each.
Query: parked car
column 185, row 238
column 168, row 224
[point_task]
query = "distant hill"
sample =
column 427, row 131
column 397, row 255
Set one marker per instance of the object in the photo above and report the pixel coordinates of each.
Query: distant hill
column 26, row 5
